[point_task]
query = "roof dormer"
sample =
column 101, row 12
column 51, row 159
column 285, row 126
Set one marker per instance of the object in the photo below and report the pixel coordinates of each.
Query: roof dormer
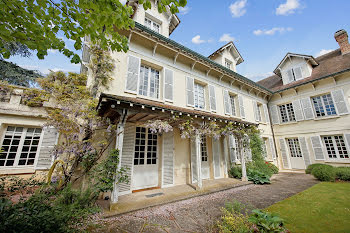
column 295, row 67
column 227, row 56
column 162, row 23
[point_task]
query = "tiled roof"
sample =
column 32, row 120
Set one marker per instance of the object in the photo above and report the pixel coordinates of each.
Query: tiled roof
column 330, row 64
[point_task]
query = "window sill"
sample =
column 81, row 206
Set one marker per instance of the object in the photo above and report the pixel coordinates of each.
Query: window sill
column 17, row 170
column 149, row 98
column 289, row 123
column 338, row 161
column 326, row 117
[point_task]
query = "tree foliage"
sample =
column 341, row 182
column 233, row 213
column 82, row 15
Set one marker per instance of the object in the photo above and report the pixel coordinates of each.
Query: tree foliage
column 36, row 24
column 17, row 75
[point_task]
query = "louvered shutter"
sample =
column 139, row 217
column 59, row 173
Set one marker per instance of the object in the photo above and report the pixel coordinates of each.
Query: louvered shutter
column 272, row 147
column 266, row 111
column 274, row 115
column 339, row 101
column 194, row 165
column 304, row 151
column 190, row 91
column 241, row 106
column 168, row 159
column 305, row 70
column 317, row 147
column 284, row 153
column 133, row 74
column 233, row 152
column 216, row 157
column 290, row 76
column 227, row 104
column 255, row 108
column 298, row 73
column 347, row 139
column 297, row 110
column 212, row 98
column 127, row 157
column 168, row 85
column 49, row 140
column 307, row 108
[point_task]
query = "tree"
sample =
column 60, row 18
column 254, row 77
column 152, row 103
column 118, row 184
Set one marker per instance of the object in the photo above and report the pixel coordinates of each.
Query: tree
column 36, row 24
column 16, row 75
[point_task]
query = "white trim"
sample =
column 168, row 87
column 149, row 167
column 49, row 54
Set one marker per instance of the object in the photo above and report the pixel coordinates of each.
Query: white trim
column 127, row 72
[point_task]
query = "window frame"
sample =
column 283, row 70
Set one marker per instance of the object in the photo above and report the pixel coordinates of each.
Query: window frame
column 294, row 148
column 258, row 106
column 228, row 64
column 152, row 25
column 204, row 153
column 288, row 111
column 323, row 105
column 154, row 155
column 21, row 145
column 196, row 97
column 157, row 90
column 336, row 147
column 233, row 107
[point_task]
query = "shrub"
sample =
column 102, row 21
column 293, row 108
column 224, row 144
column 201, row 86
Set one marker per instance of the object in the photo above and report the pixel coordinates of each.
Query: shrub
column 342, row 173
column 324, row 173
column 264, row 167
column 267, row 222
column 235, row 171
column 272, row 167
column 234, row 222
column 258, row 177
column 312, row 166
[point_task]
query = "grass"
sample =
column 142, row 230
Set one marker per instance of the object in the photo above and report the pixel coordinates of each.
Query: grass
column 325, row 207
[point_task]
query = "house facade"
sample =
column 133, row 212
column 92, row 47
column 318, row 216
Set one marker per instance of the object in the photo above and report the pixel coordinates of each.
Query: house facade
column 302, row 110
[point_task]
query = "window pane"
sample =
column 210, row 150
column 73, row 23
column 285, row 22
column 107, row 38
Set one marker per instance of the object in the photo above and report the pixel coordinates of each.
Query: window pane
column 143, row 85
column 283, row 112
column 330, row 147
column 328, row 104
column 290, row 111
column 343, row 153
column 318, row 106
column 199, row 101
column 233, row 106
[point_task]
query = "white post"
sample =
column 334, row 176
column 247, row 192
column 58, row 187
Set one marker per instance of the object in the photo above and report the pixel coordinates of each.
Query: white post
column 226, row 155
column 119, row 147
column 244, row 169
column 199, row 161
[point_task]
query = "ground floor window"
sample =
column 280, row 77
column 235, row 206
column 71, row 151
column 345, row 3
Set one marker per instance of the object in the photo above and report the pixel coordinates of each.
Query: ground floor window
column 204, row 149
column 335, row 146
column 19, row 146
column 294, row 147
column 145, row 147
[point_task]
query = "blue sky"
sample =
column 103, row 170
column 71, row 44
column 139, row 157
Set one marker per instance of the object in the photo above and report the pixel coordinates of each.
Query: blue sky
column 262, row 30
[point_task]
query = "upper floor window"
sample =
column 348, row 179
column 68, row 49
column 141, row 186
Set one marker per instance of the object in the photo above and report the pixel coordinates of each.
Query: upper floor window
column 258, row 111
column 294, row 74
column 152, row 25
column 228, row 64
column 287, row 112
column 233, row 104
column 20, row 146
column 149, row 82
column 335, row 146
column 199, row 97
column 294, row 147
column 204, row 148
column 324, row 105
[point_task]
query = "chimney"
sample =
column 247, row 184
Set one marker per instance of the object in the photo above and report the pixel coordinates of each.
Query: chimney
column 341, row 37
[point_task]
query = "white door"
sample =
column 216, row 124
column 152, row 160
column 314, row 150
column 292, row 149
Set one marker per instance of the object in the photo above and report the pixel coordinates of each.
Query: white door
column 297, row 162
column 145, row 172
column 204, row 159
column 296, row 157
column 216, row 158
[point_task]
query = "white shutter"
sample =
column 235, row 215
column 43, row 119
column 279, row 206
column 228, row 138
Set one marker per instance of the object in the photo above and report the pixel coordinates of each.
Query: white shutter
column 274, row 115
column 339, row 101
column 304, row 151
column 227, row 104
column 255, row 108
column 297, row 110
column 290, row 76
column 168, row 85
column 305, row 70
column 272, row 147
column 266, row 111
column 127, row 157
column 132, row 74
column 347, row 139
column 307, row 108
column 298, row 73
column 241, row 106
column 168, row 159
column 318, row 147
column 49, row 140
column 212, row 98
column 284, row 153
column 194, row 165
column 190, row 91
column 216, row 157
column 232, row 145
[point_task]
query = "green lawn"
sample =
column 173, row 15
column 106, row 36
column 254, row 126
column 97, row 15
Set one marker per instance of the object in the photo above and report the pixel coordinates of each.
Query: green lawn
column 324, row 207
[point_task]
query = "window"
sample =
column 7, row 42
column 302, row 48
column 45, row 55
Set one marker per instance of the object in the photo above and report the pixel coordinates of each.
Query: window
column 264, row 147
column 233, row 106
column 324, row 105
column 287, row 112
column 294, row 74
column 335, row 146
column 258, row 112
column 20, row 146
column 199, row 99
column 149, row 82
column 145, row 147
column 294, row 147
column 152, row 25
column 204, row 149
column 228, row 64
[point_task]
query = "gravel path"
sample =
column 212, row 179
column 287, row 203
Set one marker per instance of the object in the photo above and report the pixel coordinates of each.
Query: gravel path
column 199, row 214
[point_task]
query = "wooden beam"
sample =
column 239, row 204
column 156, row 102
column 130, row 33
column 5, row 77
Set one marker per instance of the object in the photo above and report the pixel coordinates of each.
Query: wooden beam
column 154, row 48
column 177, row 54
column 129, row 38
column 192, row 66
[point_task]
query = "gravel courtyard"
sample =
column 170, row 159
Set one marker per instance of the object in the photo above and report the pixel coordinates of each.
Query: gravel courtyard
column 199, row 214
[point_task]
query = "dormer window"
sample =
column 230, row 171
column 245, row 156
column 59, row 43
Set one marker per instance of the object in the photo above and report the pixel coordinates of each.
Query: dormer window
column 152, row 25
column 228, row 64
column 294, row 74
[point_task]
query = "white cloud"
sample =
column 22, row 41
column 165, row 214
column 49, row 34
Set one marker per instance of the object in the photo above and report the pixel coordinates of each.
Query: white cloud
column 52, row 51
column 257, row 77
column 197, row 40
column 29, row 67
column 238, row 8
column 184, row 10
column 323, row 52
column 288, row 7
column 271, row 31
column 226, row 38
